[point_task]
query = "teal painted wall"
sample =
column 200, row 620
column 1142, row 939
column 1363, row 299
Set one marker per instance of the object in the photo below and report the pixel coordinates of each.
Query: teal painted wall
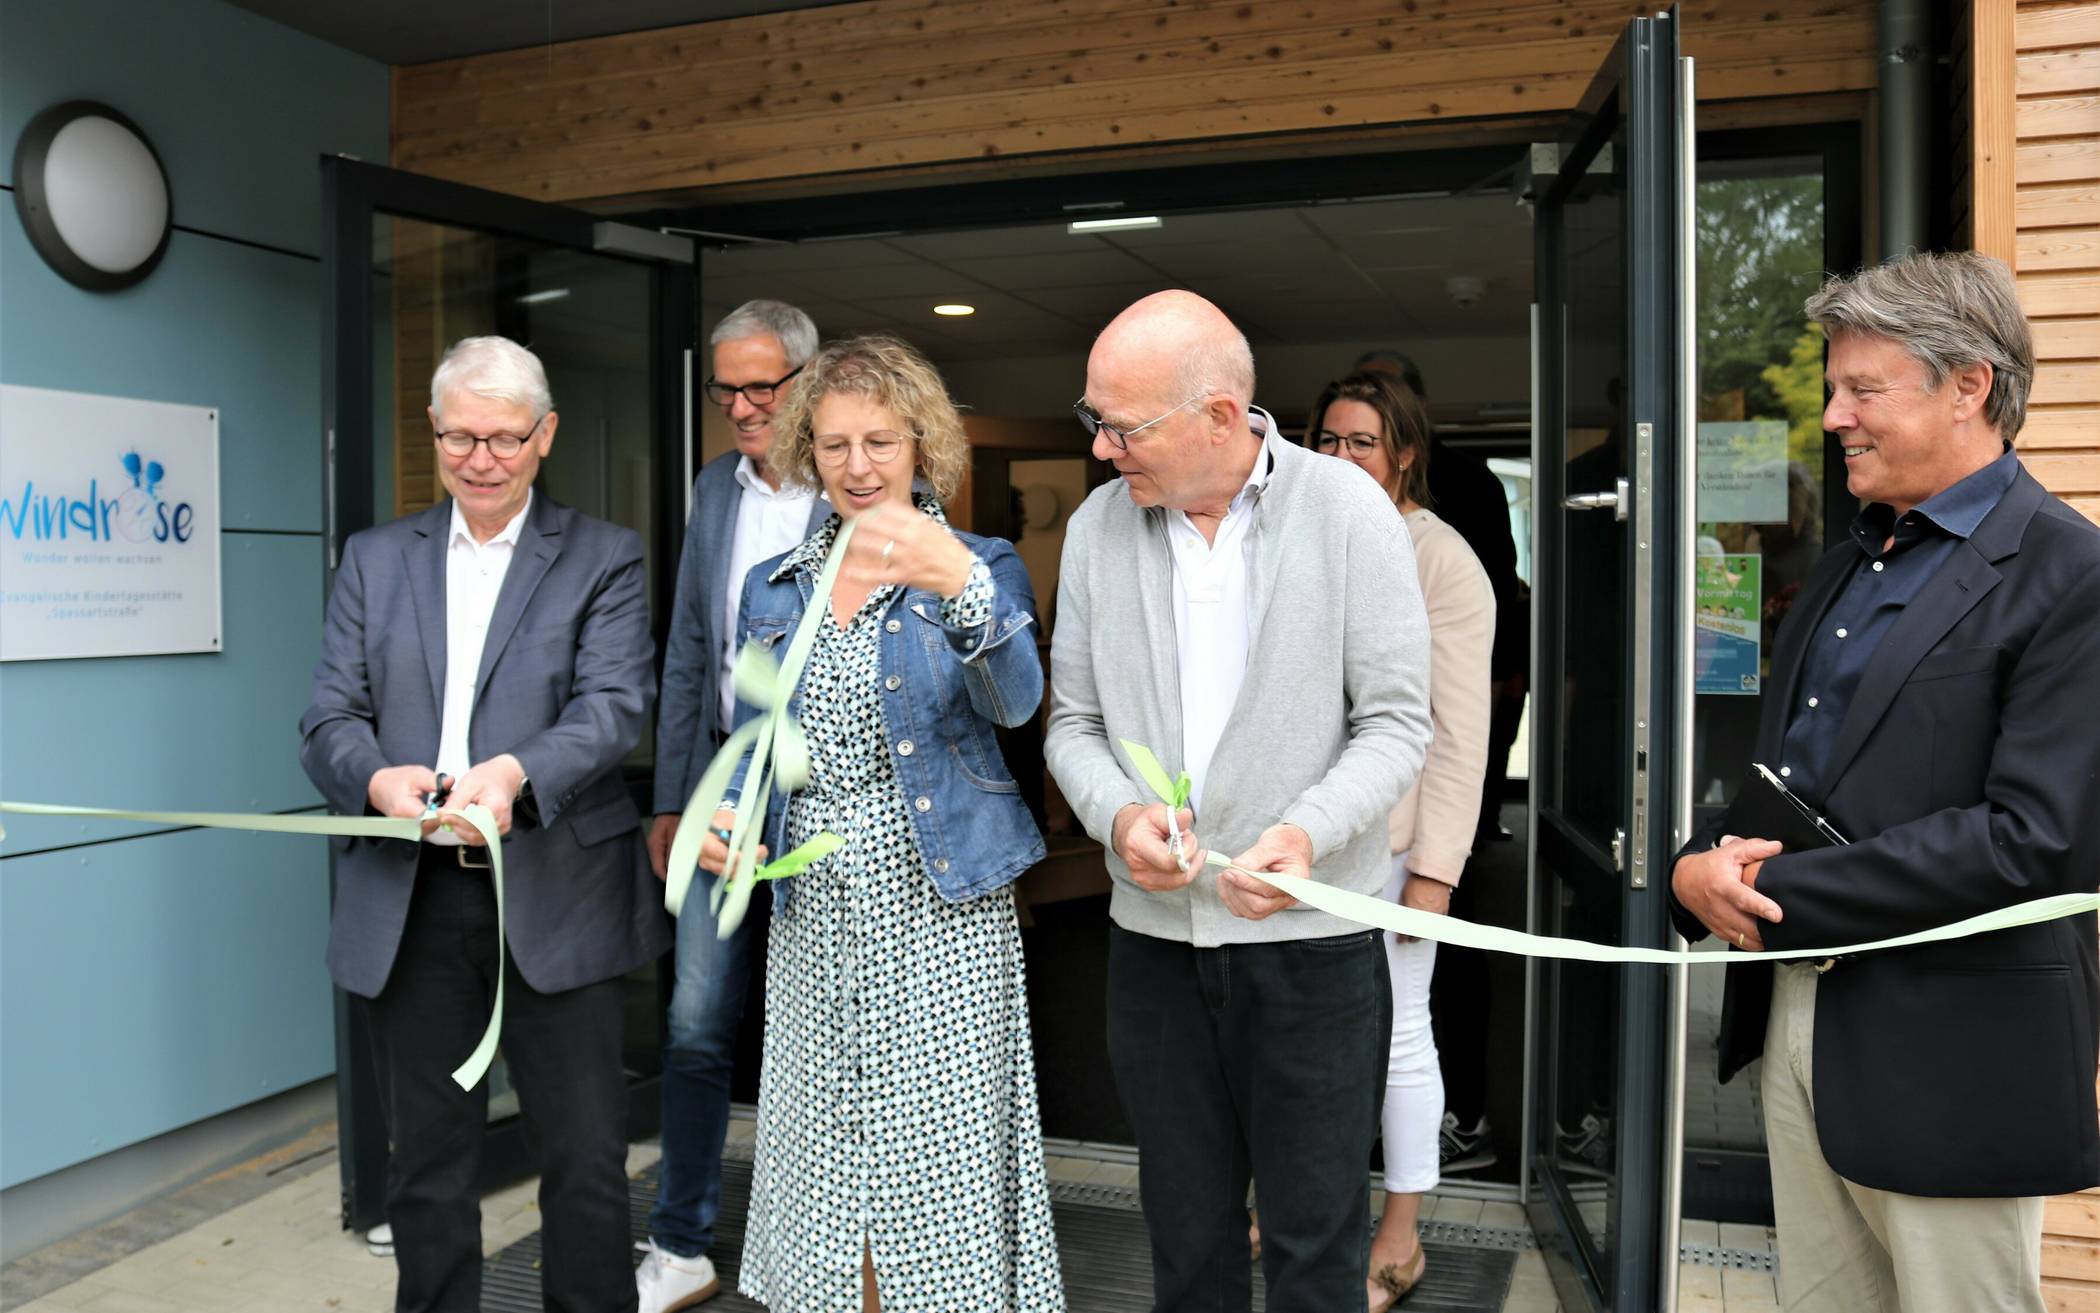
column 151, row 979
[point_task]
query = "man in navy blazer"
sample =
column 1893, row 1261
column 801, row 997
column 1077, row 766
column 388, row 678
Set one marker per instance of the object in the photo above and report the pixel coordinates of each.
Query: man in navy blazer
column 741, row 514
column 495, row 649
column 1931, row 694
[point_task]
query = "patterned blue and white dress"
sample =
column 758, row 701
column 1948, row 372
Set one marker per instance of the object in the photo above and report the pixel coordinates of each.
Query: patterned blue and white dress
column 897, row 1106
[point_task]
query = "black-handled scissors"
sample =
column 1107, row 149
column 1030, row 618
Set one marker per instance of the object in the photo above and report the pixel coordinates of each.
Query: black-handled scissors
column 435, row 798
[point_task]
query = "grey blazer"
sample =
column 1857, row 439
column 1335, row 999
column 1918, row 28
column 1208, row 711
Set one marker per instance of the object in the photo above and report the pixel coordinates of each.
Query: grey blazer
column 564, row 686
column 688, row 715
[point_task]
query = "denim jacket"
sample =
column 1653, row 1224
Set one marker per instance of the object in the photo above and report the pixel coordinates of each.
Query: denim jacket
column 944, row 689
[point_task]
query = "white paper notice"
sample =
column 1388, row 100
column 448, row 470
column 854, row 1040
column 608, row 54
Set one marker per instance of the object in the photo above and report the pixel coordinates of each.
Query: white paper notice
column 1742, row 472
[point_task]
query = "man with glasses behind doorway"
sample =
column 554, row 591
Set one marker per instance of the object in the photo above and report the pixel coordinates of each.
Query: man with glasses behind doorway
column 741, row 515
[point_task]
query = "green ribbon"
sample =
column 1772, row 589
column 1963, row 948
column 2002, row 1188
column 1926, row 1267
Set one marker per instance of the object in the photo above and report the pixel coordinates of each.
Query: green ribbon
column 779, row 754
column 476, row 1066
column 1364, row 909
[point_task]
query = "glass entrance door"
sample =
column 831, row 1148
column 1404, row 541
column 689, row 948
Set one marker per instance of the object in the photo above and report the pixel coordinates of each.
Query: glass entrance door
column 1611, row 423
column 415, row 265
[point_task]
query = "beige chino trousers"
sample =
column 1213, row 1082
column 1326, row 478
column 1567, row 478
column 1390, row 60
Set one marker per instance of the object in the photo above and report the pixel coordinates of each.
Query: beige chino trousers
column 1846, row 1248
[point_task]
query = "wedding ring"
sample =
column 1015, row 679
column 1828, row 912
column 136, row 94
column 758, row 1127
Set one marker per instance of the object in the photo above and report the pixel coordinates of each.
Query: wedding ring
column 1740, row 936
column 888, row 547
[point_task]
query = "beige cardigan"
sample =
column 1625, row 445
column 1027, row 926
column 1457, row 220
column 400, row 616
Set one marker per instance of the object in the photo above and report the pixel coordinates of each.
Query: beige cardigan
column 1435, row 820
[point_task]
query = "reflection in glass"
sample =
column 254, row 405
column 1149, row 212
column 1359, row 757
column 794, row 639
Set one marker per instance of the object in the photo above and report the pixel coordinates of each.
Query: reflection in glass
column 1760, row 249
column 1591, row 777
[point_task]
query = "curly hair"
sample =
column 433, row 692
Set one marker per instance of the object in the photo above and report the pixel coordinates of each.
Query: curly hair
column 891, row 373
column 1403, row 421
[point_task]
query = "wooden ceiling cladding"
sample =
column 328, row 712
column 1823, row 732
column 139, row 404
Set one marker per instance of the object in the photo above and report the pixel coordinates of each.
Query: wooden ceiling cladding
column 888, row 84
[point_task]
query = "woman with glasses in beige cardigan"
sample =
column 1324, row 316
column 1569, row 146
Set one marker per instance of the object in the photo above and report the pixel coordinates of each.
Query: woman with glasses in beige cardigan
column 1377, row 422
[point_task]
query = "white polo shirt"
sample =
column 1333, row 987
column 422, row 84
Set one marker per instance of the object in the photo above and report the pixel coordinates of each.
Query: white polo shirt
column 1211, row 624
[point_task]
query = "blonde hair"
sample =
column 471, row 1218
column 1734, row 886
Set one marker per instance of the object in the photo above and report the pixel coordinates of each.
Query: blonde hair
column 891, row 373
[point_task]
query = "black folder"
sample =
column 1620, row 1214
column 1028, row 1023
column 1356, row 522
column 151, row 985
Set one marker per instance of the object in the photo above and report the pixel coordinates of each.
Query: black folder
column 1764, row 808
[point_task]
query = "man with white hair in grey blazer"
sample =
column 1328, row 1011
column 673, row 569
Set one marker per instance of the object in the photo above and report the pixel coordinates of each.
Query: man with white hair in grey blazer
column 492, row 649
column 741, row 514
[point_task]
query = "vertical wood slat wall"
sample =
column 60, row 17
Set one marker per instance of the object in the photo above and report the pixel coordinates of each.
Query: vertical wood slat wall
column 2033, row 129
column 2031, row 132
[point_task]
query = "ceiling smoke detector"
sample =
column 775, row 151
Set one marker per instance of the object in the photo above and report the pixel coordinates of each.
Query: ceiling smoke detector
column 1465, row 289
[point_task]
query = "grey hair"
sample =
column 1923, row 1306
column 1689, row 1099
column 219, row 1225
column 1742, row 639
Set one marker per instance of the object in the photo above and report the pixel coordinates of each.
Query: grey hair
column 493, row 367
column 1947, row 311
column 1218, row 366
column 795, row 331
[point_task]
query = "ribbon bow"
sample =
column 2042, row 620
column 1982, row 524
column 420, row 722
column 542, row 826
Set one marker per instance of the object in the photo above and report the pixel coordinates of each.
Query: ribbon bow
column 779, row 758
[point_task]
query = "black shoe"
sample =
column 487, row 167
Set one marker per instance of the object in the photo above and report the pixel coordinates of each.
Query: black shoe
column 1460, row 1150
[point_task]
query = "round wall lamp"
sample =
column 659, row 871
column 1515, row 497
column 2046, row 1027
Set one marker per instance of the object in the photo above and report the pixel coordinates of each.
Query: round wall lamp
column 93, row 195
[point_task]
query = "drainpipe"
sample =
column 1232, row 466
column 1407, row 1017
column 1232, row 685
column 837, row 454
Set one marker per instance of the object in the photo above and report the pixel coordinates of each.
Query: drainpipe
column 1905, row 58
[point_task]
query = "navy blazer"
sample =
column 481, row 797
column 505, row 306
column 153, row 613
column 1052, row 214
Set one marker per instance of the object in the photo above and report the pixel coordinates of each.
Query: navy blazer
column 688, row 715
column 563, row 685
column 1967, row 773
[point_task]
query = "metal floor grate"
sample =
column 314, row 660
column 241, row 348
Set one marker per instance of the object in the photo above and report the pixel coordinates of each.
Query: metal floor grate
column 1107, row 1263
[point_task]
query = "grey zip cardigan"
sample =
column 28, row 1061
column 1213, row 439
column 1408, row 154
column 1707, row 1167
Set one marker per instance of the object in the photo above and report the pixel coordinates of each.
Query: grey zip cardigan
column 1333, row 716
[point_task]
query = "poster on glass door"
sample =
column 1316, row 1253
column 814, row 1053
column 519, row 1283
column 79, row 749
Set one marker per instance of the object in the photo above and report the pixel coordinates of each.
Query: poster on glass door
column 1728, row 627
column 109, row 526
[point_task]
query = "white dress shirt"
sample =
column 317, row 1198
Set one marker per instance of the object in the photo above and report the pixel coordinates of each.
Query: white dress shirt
column 474, row 574
column 1211, row 624
column 768, row 522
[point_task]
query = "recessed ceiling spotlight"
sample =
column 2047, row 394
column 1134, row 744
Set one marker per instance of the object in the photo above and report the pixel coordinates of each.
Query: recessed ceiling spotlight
column 955, row 309
column 1134, row 221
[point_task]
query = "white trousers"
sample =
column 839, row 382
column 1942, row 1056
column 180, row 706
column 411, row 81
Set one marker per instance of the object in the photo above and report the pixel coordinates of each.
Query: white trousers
column 1414, row 1084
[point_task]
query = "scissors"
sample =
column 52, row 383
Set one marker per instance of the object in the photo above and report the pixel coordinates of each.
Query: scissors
column 1175, row 846
column 435, row 798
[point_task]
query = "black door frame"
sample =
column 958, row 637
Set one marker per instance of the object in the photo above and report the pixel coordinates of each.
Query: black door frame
column 1639, row 90
column 352, row 193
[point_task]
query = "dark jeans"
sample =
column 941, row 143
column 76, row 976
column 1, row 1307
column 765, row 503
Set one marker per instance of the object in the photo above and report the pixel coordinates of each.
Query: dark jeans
column 707, row 1003
column 1459, row 994
column 1261, row 1060
column 563, row 1052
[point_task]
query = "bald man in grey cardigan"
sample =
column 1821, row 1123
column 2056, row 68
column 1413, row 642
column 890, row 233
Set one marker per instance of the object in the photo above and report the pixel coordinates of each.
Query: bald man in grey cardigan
column 1250, row 612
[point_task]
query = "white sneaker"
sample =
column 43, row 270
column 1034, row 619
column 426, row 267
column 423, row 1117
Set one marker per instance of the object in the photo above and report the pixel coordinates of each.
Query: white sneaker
column 379, row 1241
column 665, row 1281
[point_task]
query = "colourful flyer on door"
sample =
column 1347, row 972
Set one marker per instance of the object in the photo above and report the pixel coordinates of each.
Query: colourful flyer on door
column 1728, row 624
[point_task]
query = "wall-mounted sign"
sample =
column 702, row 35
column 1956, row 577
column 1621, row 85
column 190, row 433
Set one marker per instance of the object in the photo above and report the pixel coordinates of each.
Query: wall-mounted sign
column 1742, row 472
column 109, row 526
column 1728, row 622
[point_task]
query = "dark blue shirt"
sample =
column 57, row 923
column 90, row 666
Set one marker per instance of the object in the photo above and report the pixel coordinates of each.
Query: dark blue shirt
column 1882, row 584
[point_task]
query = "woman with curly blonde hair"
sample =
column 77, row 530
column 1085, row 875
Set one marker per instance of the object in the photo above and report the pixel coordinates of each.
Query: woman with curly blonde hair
column 899, row 1159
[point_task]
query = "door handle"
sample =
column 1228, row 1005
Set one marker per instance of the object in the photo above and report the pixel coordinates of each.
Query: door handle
column 1616, row 501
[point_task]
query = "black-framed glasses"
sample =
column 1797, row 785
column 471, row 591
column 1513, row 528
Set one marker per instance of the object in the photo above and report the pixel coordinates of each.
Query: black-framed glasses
column 881, row 447
column 1090, row 420
column 1359, row 445
column 758, row 394
column 503, row 446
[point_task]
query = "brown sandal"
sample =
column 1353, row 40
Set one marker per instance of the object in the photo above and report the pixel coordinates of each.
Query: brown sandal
column 1395, row 1283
